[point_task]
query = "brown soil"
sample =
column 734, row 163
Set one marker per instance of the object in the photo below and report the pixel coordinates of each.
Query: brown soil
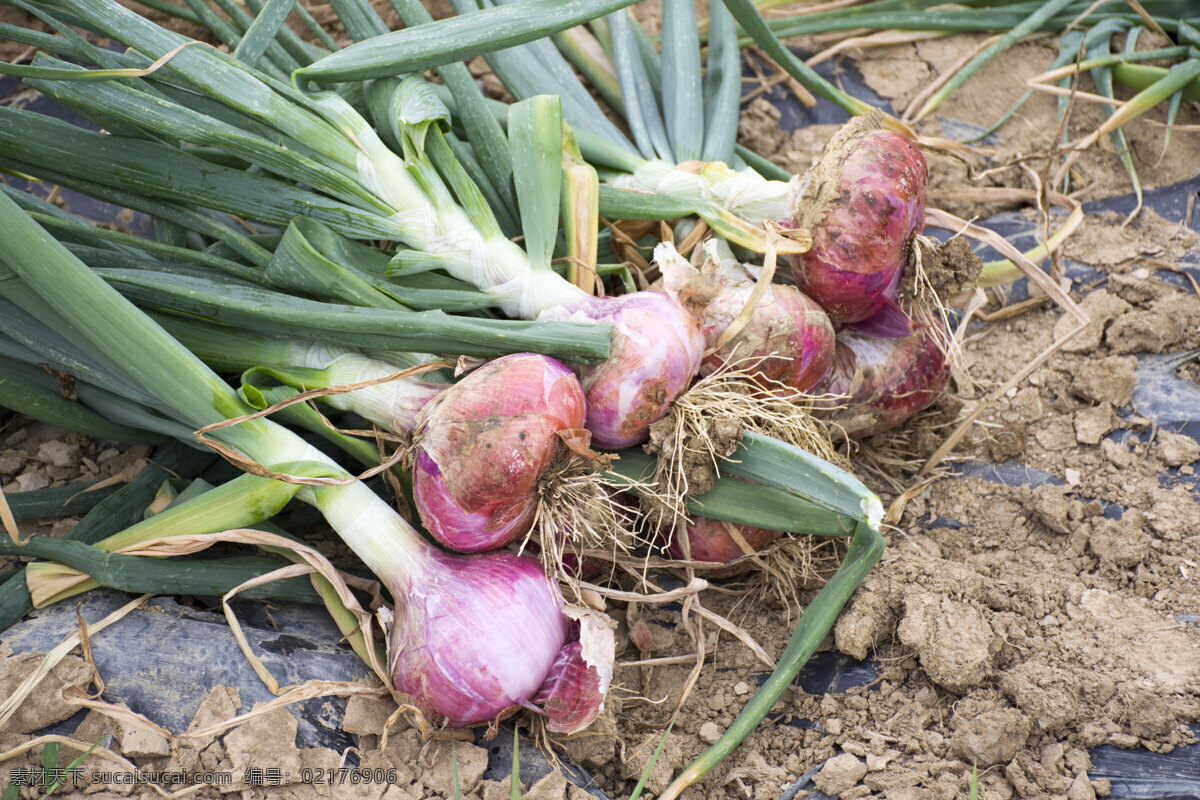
column 1013, row 627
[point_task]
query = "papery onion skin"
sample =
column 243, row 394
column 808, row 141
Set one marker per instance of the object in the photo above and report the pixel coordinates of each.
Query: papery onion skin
column 476, row 636
column 886, row 380
column 788, row 338
column 571, row 692
column 709, row 540
column 655, row 354
column 862, row 227
column 484, row 443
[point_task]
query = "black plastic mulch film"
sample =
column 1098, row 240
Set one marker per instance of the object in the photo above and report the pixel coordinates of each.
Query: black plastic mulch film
column 188, row 652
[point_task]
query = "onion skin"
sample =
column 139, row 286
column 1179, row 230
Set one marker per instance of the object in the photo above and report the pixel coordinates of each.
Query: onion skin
column 478, row 636
column 709, row 540
column 568, row 695
column 788, row 338
column 886, row 380
column 483, row 444
column 862, row 218
column 656, row 351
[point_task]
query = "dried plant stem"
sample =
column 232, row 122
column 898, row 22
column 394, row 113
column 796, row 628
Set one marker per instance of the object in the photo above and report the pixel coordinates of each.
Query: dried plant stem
column 947, row 221
column 918, row 102
column 878, row 39
column 694, row 586
column 738, row 631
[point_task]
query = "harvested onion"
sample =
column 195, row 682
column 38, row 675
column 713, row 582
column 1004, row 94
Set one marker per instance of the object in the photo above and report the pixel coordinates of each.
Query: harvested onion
column 788, row 338
column 710, row 540
column 886, row 381
column 656, row 350
column 483, row 444
column 863, row 202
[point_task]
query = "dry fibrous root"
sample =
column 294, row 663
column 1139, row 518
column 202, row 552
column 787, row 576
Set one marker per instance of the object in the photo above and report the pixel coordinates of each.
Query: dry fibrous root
column 794, row 563
column 579, row 510
column 706, row 422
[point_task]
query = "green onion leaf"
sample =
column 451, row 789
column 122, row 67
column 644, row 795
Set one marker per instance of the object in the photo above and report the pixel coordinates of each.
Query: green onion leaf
column 263, row 30
column 423, row 46
column 683, row 97
column 723, row 87
column 535, row 133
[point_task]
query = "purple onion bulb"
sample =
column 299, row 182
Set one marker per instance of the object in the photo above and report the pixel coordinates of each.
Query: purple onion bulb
column 477, row 638
column 788, row 337
column 656, row 351
column 862, row 218
column 709, row 540
column 483, row 444
column 887, row 380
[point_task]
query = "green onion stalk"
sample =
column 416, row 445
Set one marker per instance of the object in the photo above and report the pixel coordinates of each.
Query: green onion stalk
column 475, row 637
column 683, row 121
column 103, row 395
column 393, row 405
column 666, row 159
column 468, row 503
column 835, row 503
column 122, row 508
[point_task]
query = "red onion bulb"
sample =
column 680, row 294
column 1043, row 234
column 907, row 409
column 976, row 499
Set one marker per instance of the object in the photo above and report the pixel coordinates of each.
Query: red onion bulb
column 788, row 337
column 479, row 637
column 483, row 444
column 656, row 350
column 863, row 202
column 887, row 380
column 709, row 540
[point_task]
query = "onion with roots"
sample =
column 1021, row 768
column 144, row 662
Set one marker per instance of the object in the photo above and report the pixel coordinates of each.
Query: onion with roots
column 788, row 338
column 482, row 446
column 863, row 202
column 480, row 637
column 886, row 381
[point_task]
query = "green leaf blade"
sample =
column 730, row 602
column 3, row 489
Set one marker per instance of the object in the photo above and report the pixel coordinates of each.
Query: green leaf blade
column 455, row 39
column 535, row 131
column 683, row 97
